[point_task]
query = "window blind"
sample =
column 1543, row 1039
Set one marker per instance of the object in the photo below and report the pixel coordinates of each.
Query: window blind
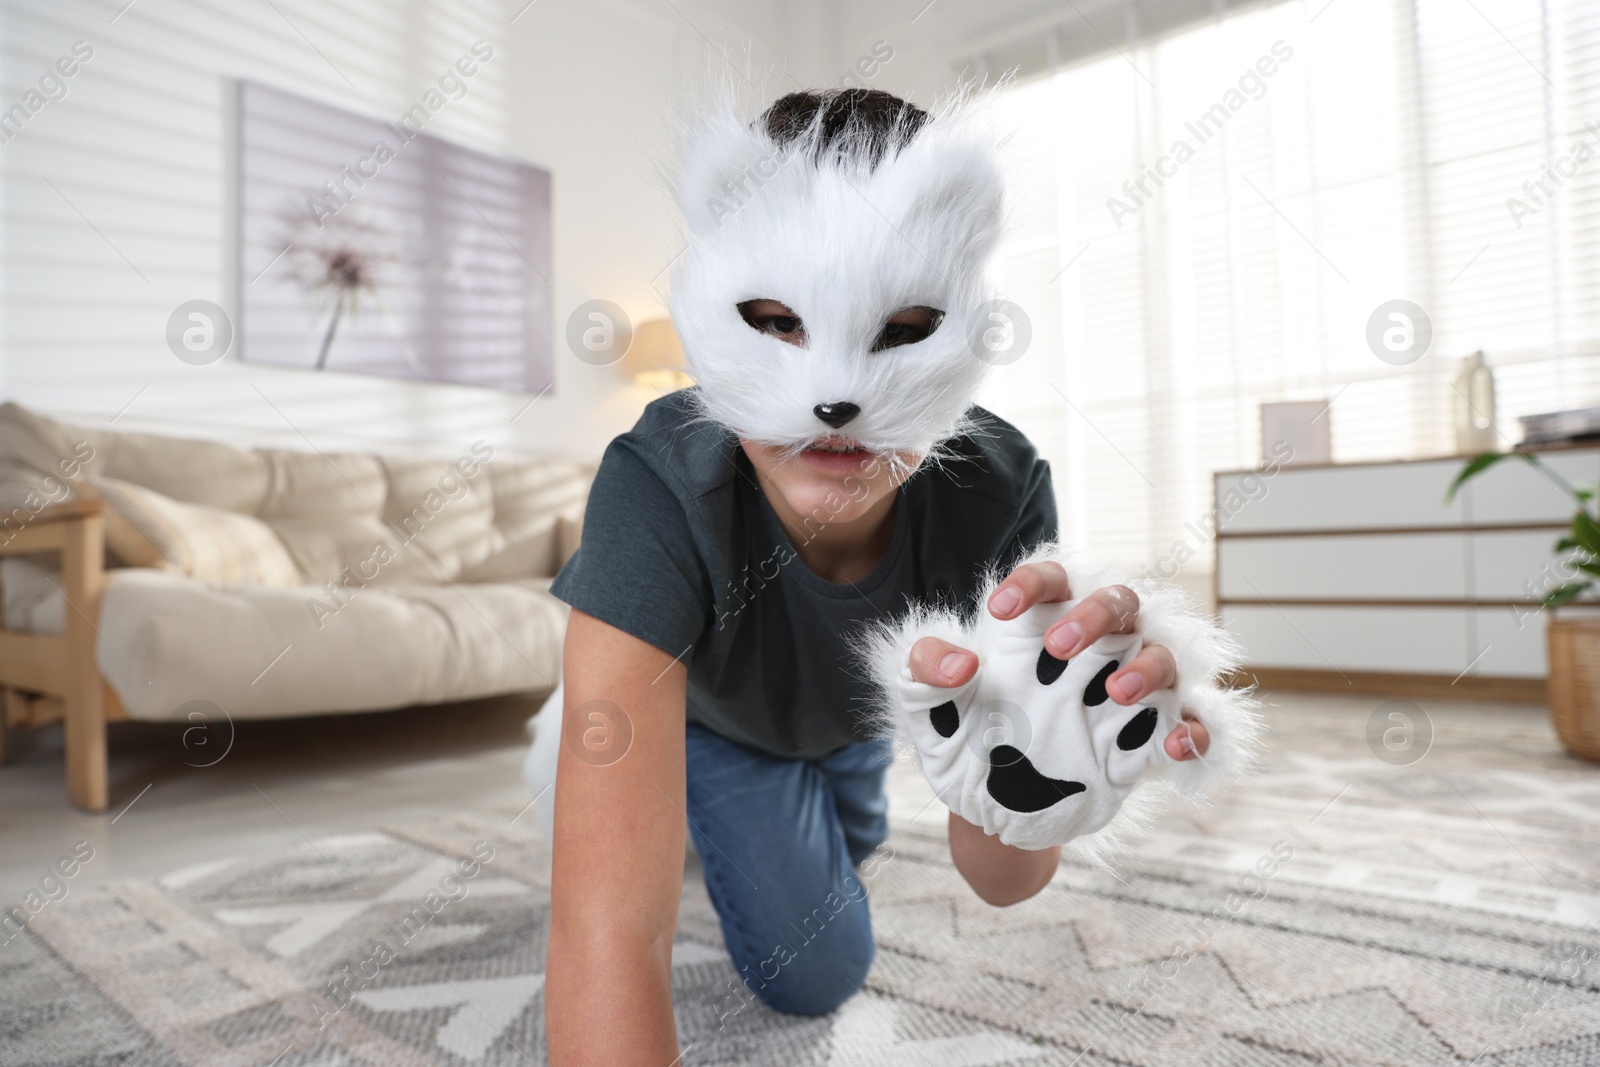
column 1207, row 219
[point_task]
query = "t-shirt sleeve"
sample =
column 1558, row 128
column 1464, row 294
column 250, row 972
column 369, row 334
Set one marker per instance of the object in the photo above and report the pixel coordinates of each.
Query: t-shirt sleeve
column 637, row 566
column 1036, row 518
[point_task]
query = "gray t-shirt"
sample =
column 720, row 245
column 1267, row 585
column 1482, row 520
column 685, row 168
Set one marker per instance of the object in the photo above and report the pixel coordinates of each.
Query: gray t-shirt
column 682, row 550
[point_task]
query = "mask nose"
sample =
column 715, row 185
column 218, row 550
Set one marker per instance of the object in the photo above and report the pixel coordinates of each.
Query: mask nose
column 837, row 413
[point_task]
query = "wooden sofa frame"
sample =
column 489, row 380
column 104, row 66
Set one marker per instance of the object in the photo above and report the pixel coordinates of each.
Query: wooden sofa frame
column 50, row 677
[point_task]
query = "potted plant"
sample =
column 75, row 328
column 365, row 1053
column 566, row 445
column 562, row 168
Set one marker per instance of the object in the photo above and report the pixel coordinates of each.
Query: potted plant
column 1573, row 643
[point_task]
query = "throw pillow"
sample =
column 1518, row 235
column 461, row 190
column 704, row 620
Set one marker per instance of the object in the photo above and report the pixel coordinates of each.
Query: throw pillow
column 146, row 529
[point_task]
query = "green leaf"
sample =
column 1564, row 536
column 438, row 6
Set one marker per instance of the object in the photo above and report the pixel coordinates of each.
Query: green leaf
column 1589, row 568
column 1564, row 544
column 1563, row 594
column 1476, row 466
column 1586, row 532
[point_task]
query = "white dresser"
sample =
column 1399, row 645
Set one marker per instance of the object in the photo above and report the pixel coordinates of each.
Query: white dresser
column 1359, row 577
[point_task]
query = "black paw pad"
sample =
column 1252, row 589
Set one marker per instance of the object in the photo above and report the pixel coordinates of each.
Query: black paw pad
column 1094, row 694
column 1138, row 730
column 1015, row 783
column 945, row 718
column 1049, row 668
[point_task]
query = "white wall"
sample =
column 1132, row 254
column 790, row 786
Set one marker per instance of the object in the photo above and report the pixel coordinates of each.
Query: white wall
column 931, row 40
column 136, row 220
column 592, row 97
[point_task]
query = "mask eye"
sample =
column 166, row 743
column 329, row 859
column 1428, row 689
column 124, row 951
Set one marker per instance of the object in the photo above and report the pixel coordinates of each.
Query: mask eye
column 774, row 318
column 908, row 326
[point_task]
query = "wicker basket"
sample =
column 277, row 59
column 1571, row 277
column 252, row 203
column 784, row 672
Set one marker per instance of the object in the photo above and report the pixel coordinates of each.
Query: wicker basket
column 1575, row 683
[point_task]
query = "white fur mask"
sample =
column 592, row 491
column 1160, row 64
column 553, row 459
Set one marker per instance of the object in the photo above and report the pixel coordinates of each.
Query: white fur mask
column 845, row 245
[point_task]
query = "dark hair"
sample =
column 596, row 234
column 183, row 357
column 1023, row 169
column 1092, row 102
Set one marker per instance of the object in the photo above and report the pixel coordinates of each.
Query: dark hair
column 846, row 124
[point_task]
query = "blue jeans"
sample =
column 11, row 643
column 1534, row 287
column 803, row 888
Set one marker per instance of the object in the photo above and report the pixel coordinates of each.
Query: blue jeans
column 779, row 840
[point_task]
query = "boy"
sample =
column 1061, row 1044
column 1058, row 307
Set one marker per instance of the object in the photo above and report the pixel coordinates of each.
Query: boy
column 828, row 469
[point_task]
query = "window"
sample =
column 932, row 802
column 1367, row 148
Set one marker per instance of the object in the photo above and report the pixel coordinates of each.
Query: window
column 1208, row 219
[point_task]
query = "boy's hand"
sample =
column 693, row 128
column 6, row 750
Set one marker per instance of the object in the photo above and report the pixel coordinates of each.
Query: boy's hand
column 1112, row 610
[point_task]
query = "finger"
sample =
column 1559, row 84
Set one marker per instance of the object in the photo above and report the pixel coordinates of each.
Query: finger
column 937, row 662
column 1029, row 584
column 1153, row 668
column 1112, row 610
column 1187, row 740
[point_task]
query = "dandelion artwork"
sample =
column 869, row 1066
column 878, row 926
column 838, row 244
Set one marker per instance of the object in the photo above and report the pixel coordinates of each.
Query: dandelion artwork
column 339, row 264
column 367, row 246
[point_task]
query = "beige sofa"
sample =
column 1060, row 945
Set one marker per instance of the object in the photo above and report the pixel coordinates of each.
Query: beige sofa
column 266, row 582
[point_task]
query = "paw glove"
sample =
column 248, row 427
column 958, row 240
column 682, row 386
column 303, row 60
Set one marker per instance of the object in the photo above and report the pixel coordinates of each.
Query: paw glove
column 1032, row 748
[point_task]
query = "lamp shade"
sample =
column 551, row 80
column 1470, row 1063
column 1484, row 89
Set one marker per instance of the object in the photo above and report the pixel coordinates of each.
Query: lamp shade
column 655, row 357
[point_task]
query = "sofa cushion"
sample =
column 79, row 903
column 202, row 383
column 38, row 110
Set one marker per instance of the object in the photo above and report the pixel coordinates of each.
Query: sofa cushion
column 265, row 653
column 326, row 509
column 146, row 529
column 442, row 514
column 347, row 519
column 34, row 447
column 569, row 534
column 529, row 502
column 40, row 463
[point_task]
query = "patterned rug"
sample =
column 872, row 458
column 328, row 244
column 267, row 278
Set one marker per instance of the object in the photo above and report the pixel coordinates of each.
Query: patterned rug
column 1342, row 909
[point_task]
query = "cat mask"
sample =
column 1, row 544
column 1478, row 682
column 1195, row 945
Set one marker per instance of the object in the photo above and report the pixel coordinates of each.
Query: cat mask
column 846, row 223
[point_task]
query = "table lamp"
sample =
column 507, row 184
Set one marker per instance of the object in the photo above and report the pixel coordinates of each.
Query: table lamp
column 655, row 358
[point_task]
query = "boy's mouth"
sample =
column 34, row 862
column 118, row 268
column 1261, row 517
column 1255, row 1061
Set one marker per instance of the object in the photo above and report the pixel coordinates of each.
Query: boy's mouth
column 836, row 446
column 836, row 454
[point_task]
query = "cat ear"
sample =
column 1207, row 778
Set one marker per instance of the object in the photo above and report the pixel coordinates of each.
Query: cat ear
column 722, row 161
column 709, row 170
column 950, row 182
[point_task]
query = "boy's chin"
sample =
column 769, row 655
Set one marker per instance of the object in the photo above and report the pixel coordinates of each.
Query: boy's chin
column 827, row 500
column 846, row 488
column 813, row 473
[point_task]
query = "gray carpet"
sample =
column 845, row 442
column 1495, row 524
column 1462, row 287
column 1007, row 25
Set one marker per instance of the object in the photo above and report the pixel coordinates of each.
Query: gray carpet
column 1442, row 912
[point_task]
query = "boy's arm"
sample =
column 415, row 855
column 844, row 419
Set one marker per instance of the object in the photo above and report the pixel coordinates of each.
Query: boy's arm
column 999, row 874
column 618, row 860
